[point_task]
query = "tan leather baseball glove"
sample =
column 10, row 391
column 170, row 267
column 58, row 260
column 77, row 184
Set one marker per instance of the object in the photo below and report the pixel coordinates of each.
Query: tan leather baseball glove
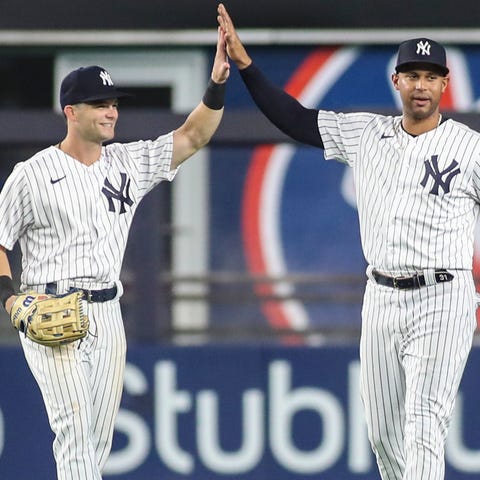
column 50, row 319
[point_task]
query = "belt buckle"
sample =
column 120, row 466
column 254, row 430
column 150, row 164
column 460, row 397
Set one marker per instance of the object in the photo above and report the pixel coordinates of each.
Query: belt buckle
column 88, row 294
column 397, row 285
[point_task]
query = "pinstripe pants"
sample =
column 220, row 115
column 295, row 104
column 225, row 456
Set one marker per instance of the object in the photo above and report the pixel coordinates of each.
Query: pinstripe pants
column 413, row 351
column 81, row 384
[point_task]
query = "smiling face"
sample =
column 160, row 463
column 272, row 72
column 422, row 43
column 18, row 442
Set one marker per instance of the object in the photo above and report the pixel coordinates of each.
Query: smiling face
column 420, row 91
column 95, row 122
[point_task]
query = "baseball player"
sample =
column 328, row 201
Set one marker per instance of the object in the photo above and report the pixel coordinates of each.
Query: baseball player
column 70, row 208
column 417, row 180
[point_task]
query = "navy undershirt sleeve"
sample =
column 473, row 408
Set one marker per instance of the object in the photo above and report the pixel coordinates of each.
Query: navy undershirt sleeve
column 283, row 110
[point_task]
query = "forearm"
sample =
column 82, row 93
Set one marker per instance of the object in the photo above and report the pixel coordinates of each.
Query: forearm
column 201, row 124
column 4, row 263
column 6, row 285
column 196, row 132
column 283, row 110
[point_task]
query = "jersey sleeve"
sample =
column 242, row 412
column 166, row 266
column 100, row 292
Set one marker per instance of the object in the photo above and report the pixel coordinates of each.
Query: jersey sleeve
column 341, row 134
column 15, row 207
column 151, row 160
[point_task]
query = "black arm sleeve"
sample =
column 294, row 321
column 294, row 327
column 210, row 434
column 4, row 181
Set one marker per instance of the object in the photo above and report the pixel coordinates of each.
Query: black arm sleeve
column 284, row 111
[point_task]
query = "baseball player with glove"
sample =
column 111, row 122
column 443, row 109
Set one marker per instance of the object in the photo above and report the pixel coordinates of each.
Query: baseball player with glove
column 417, row 179
column 70, row 207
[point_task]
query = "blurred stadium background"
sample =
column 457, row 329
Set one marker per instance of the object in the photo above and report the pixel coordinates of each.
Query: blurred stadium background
column 244, row 277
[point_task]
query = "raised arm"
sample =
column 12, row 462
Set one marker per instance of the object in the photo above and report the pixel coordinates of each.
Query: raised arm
column 204, row 120
column 283, row 110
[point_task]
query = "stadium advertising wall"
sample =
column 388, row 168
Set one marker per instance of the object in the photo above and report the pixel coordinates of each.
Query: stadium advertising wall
column 242, row 412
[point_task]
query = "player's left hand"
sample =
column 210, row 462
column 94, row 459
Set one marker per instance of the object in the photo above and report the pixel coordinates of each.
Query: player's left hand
column 50, row 319
column 221, row 66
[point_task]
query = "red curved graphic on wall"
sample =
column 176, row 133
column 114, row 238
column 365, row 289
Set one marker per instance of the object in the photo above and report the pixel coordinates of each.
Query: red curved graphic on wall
column 255, row 186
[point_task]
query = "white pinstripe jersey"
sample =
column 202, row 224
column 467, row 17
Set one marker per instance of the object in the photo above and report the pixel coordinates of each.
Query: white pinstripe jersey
column 418, row 197
column 72, row 220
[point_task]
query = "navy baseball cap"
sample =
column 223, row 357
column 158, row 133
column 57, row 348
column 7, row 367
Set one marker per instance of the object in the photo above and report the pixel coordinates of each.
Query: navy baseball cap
column 88, row 84
column 423, row 51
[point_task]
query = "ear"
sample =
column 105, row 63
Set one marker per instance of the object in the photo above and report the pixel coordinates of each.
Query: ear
column 395, row 78
column 445, row 81
column 69, row 112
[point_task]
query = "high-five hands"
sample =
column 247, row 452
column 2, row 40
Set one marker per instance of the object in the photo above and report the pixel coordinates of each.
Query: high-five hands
column 234, row 47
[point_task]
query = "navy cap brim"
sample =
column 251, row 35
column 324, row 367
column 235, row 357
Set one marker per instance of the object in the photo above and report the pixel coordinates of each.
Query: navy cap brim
column 416, row 65
column 99, row 97
column 409, row 66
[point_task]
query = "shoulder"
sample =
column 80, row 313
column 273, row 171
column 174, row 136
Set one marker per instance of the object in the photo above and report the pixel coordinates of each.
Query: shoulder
column 469, row 138
column 42, row 158
column 452, row 124
column 29, row 164
column 139, row 146
column 359, row 117
column 358, row 124
column 33, row 168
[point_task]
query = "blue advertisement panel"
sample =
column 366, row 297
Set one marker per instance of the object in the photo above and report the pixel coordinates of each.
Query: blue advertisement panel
column 281, row 209
column 228, row 412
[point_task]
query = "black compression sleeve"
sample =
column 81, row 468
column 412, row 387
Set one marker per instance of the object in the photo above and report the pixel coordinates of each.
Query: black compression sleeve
column 214, row 95
column 6, row 289
column 284, row 111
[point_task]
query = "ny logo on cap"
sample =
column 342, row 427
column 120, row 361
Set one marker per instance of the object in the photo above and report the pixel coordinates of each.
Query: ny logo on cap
column 106, row 79
column 423, row 48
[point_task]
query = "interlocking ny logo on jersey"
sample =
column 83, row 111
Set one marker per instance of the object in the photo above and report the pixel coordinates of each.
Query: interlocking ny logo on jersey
column 423, row 48
column 441, row 178
column 121, row 194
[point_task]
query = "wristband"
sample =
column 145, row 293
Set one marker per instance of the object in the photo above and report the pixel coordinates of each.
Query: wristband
column 6, row 289
column 214, row 95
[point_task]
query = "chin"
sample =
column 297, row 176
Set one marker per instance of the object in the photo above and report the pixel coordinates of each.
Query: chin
column 107, row 138
column 421, row 115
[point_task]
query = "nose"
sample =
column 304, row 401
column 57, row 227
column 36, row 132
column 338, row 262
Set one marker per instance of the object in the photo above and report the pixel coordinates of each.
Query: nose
column 420, row 84
column 112, row 111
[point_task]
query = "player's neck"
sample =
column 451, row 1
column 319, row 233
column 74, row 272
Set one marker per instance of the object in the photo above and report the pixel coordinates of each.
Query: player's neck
column 85, row 152
column 416, row 127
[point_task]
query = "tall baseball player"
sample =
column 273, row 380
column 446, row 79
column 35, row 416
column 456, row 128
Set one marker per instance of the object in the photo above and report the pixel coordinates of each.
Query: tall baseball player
column 70, row 208
column 417, row 180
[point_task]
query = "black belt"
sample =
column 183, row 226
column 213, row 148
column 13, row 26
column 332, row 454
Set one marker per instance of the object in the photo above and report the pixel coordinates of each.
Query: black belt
column 92, row 296
column 409, row 283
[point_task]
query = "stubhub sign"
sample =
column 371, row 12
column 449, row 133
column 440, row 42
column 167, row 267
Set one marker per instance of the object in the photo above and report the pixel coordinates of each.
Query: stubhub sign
column 242, row 412
column 264, row 419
